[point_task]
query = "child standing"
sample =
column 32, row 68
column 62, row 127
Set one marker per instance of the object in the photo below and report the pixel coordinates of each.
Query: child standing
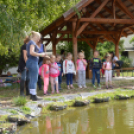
column 44, row 73
column 95, row 65
column 107, row 66
column 69, row 70
column 58, row 61
column 81, row 68
column 54, row 73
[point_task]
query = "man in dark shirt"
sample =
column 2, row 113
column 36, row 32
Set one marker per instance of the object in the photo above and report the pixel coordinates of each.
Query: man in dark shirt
column 24, row 81
column 95, row 66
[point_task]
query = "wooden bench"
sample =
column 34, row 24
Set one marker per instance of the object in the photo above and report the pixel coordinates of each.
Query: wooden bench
column 124, row 69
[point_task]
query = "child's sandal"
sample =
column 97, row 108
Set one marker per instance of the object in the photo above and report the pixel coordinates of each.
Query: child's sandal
column 68, row 88
column 57, row 92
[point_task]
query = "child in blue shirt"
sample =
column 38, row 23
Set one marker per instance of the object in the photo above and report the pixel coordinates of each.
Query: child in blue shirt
column 58, row 61
column 95, row 66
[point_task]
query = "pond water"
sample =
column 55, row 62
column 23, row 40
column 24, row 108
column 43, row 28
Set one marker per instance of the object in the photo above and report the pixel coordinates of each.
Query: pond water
column 108, row 118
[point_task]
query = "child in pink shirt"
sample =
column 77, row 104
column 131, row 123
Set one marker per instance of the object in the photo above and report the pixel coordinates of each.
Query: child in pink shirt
column 107, row 66
column 81, row 69
column 54, row 73
column 44, row 73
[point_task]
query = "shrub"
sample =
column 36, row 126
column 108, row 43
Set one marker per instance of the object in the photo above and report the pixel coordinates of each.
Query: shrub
column 127, row 62
column 19, row 101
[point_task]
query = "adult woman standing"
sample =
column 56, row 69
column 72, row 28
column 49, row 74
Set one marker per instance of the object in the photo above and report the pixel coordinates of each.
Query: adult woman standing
column 22, row 68
column 114, row 59
column 41, row 50
column 32, row 63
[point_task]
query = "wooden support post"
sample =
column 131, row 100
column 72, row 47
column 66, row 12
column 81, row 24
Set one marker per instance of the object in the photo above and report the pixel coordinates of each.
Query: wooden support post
column 54, row 49
column 74, row 39
column 54, row 42
column 117, row 44
column 117, row 50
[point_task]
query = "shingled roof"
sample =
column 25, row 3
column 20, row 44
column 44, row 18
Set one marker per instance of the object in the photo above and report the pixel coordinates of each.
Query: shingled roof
column 96, row 21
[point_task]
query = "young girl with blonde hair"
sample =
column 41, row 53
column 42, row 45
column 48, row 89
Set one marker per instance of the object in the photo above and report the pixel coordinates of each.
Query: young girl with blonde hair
column 107, row 66
column 81, row 68
column 44, row 73
column 54, row 73
column 69, row 70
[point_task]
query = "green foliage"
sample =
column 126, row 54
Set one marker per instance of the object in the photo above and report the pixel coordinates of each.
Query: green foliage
column 132, row 41
column 68, row 47
column 19, row 17
column 127, row 62
column 9, row 60
column 107, row 46
column 13, row 111
column 26, row 110
column 3, row 117
column 19, row 101
column 77, row 12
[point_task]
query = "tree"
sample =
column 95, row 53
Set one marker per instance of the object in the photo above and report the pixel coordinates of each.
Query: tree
column 68, row 47
column 19, row 17
column 107, row 46
column 132, row 41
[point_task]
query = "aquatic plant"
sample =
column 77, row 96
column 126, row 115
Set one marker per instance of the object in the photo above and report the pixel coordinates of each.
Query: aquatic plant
column 26, row 110
column 19, row 101
column 13, row 111
column 3, row 117
column 47, row 99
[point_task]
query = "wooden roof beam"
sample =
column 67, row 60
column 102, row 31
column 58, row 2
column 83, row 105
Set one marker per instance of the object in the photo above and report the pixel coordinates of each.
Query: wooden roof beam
column 47, row 42
column 57, row 40
column 106, row 8
column 120, row 4
column 124, row 33
column 101, row 40
column 132, row 1
column 107, row 35
column 99, row 9
column 70, row 39
column 90, row 44
column 131, row 29
column 108, row 21
column 92, row 16
column 67, row 15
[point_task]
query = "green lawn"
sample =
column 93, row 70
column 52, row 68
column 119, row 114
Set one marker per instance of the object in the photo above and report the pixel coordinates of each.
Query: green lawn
column 9, row 92
column 125, row 74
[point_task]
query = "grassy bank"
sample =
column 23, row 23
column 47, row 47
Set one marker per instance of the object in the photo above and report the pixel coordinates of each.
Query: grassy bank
column 10, row 92
column 70, row 104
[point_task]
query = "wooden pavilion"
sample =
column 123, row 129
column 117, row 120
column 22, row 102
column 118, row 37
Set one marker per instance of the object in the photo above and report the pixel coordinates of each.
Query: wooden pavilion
column 93, row 21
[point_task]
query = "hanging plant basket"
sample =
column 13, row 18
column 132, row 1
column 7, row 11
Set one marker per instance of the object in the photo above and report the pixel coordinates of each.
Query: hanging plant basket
column 81, row 103
column 19, row 119
column 100, row 100
column 121, row 97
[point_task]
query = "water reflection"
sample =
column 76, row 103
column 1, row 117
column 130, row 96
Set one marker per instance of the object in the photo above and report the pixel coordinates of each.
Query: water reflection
column 107, row 118
column 110, row 117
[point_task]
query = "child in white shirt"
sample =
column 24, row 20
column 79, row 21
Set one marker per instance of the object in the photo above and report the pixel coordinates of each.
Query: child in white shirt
column 69, row 70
